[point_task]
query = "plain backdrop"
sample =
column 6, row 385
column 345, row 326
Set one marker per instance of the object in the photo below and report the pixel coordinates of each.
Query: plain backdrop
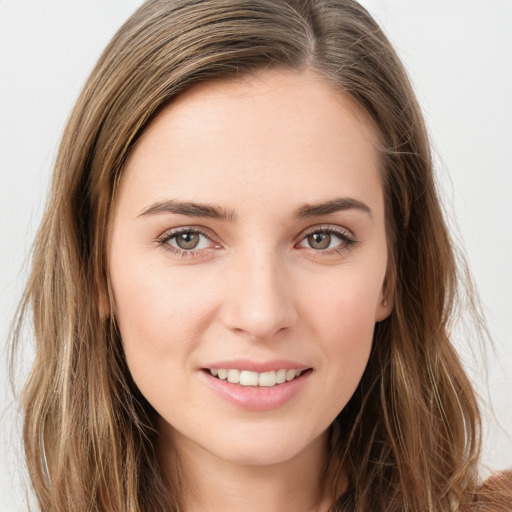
column 459, row 57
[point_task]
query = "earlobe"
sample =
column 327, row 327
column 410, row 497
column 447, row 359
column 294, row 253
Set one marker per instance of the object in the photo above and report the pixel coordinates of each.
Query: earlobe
column 384, row 309
column 103, row 303
column 386, row 304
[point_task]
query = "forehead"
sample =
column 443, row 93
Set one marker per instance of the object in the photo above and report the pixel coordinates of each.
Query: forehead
column 275, row 133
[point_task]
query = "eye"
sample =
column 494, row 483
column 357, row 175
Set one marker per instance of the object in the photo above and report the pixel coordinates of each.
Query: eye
column 328, row 239
column 320, row 240
column 186, row 242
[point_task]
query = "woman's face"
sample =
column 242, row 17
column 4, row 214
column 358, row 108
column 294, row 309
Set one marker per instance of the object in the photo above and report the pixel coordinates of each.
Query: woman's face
column 249, row 236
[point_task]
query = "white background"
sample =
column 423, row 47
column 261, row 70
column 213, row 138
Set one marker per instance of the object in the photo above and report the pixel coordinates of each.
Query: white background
column 459, row 56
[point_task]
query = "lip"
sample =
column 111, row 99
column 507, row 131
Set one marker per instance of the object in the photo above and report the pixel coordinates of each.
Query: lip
column 255, row 366
column 257, row 398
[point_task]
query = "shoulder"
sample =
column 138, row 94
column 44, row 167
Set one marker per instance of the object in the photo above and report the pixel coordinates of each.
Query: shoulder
column 495, row 494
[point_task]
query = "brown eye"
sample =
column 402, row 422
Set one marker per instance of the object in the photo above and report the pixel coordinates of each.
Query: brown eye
column 328, row 240
column 187, row 240
column 319, row 240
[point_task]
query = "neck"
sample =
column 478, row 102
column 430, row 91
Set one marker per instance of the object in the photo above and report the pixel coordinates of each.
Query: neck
column 211, row 483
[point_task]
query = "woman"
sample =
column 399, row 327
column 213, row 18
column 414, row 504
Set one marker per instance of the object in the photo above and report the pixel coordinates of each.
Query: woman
column 238, row 295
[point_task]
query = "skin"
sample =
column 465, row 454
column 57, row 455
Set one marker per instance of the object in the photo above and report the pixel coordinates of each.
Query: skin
column 255, row 288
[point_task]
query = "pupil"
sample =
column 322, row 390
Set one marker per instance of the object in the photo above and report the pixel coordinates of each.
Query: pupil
column 187, row 240
column 319, row 240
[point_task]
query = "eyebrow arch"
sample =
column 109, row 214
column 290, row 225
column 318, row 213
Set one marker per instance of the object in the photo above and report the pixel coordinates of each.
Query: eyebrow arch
column 335, row 205
column 189, row 208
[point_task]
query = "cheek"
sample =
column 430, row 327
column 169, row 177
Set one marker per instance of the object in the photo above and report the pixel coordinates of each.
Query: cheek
column 345, row 306
column 342, row 321
column 159, row 318
column 149, row 297
column 351, row 340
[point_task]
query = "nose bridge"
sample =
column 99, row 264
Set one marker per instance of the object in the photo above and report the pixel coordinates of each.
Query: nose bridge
column 258, row 301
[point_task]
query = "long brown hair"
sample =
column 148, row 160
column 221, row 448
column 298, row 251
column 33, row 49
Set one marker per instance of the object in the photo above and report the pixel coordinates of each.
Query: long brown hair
column 409, row 437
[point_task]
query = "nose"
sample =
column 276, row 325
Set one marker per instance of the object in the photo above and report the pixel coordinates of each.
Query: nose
column 259, row 301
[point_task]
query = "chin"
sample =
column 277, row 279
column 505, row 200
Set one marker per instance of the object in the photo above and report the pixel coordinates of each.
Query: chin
column 260, row 455
column 264, row 447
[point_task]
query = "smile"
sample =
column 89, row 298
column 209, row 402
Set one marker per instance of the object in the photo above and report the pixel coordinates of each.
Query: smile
column 257, row 391
column 250, row 378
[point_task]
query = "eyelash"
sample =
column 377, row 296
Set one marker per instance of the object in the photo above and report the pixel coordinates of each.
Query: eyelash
column 347, row 239
column 164, row 240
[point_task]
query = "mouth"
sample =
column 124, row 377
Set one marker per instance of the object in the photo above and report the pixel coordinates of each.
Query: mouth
column 257, row 386
column 256, row 379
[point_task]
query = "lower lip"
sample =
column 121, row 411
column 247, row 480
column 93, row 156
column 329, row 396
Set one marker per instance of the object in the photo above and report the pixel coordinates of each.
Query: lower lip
column 257, row 398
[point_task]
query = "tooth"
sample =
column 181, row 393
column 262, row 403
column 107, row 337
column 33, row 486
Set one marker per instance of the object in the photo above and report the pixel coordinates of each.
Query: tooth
column 280, row 376
column 248, row 378
column 234, row 376
column 267, row 379
column 290, row 375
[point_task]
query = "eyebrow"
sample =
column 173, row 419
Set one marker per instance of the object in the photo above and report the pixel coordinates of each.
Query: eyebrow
column 193, row 209
column 333, row 206
column 189, row 208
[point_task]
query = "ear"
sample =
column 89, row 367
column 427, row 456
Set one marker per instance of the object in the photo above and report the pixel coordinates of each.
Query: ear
column 103, row 301
column 386, row 298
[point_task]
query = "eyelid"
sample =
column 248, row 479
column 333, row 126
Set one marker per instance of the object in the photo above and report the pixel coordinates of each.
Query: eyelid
column 346, row 236
column 342, row 232
column 347, row 240
column 173, row 232
column 168, row 233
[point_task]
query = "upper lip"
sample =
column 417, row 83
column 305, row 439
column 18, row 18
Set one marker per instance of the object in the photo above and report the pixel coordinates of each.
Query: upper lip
column 257, row 366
